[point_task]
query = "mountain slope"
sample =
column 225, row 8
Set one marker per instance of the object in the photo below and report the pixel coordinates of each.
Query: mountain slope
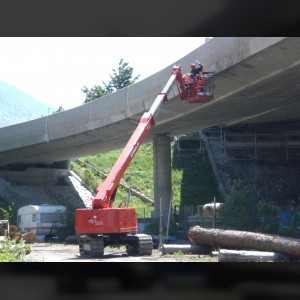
column 17, row 106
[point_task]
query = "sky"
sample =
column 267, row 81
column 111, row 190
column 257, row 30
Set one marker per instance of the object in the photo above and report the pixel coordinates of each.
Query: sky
column 54, row 69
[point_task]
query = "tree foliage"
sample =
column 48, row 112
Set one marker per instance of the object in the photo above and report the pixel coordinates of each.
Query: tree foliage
column 239, row 210
column 94, row 93
column 120, row 78
column 245, row 210
column 13, row 251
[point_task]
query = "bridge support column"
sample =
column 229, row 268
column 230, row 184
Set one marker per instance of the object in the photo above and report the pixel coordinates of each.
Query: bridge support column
column 162, row 176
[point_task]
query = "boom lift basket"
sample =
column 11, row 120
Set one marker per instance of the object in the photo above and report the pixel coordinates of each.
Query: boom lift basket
column 197, row 90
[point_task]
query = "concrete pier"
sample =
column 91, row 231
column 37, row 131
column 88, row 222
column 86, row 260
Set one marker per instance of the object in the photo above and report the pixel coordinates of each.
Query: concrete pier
column 162, row 175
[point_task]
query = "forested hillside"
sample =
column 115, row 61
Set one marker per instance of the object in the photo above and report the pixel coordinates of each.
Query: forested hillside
column 17, row 106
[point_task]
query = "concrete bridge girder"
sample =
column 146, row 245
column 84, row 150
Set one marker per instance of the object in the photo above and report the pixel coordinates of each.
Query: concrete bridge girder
column 243, row 66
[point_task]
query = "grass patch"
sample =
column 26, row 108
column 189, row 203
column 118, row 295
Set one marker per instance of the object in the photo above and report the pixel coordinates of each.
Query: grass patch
column 193, row 181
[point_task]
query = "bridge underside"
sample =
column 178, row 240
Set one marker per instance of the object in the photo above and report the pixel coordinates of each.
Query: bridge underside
column 262, row 89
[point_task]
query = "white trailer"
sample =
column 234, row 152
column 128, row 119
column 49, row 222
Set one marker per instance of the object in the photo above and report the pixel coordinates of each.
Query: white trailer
column 41, row 219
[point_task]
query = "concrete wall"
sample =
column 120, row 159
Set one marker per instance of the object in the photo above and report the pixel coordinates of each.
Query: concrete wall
column 35, row 176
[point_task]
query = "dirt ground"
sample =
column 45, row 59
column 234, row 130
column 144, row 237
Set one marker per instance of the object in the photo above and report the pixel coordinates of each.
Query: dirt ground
column 55, row 252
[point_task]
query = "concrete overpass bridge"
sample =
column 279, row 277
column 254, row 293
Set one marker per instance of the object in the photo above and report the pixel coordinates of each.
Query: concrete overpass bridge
column 256, row 81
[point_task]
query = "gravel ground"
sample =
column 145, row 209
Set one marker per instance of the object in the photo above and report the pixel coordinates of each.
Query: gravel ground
column 54, row 252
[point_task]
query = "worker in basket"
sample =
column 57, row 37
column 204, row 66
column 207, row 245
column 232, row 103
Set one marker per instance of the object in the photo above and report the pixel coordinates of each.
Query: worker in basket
column 195, row 72
column 188, row 82
column 196, row 75
column 193, row 75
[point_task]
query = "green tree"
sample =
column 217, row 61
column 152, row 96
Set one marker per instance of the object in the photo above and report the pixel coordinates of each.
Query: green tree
column 120, row 78
column 245, row 210
column 240, row 208
column 94, row 93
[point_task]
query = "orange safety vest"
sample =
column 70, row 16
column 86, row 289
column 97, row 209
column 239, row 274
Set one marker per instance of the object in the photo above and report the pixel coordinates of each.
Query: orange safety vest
column 187, row 78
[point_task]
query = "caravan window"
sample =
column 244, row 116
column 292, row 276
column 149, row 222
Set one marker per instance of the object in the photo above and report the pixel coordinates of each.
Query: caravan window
column 52, row 217
column 33, row 217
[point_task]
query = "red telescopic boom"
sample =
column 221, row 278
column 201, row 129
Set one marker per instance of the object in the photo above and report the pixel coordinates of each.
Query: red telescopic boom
column 105, row 192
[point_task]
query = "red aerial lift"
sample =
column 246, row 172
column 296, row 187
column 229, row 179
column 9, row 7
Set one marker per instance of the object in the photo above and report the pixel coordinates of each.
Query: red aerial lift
column 105, row 225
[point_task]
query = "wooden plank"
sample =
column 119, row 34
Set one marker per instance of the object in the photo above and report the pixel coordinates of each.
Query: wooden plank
column 186, row 248
column 225, row 255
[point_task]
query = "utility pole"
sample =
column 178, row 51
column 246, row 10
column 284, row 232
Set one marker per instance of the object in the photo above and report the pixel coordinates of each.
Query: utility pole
column 160, row 245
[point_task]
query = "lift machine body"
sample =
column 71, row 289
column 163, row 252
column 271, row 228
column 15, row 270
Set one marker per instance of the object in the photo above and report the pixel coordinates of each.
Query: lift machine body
column 105, row 225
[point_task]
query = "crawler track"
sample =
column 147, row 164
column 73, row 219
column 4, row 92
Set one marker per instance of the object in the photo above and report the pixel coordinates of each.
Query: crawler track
column 136, row 245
